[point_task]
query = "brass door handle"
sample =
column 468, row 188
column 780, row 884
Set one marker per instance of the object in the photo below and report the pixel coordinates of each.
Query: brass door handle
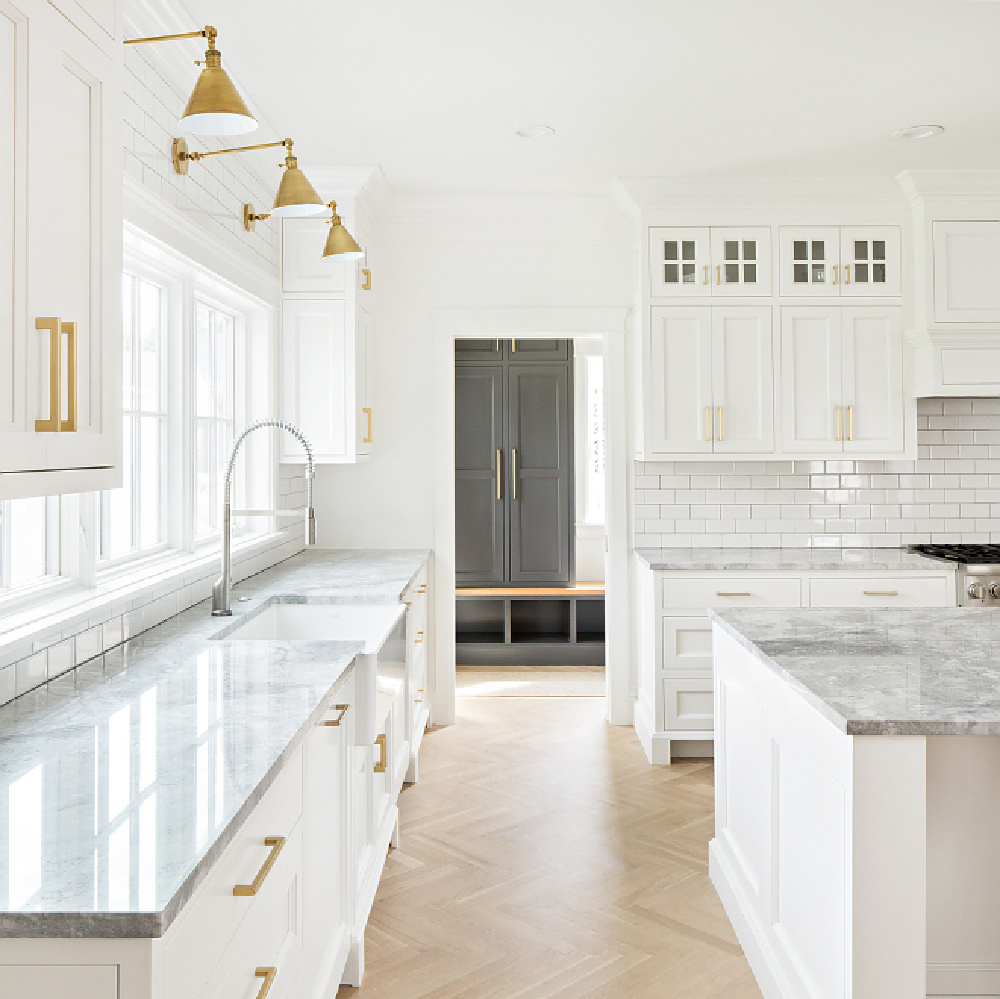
column 718, row 594
column 850, row 423
column 335, row 722
column 847, row 273
column 368, row 437
column 718, row 274
column 276, row 843
column 881, row 593
column 720, row 423
column 513, row 473
column 380, row 765
column 708, row 423
column 705, row 280
column 499, row 492
column 836, row 410
column 269, row 975
column 56, row 328
column 834, row 273
column 366, row 285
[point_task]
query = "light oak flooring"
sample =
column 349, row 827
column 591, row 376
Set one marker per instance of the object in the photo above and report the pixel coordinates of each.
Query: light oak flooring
column 541, row 856
column 530, row 683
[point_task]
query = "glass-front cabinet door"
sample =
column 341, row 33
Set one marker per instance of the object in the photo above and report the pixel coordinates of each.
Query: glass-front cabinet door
column 810, row 260
column 741, row 261
column 680, row 262
column 870, row 258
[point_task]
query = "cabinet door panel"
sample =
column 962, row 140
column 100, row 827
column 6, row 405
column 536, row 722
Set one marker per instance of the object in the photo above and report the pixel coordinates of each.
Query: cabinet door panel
column 742, row 380
column 966, row 264
column 809, row 261
column 678, row 404
column 811, row 380
column 480, row 475
column 303, row 266
column 869, row 261
column 491, row 348
column 679, row 263
column 741, row 261
column 872, row 379
column 539, row 418
column 539, row 350
column 316, row 355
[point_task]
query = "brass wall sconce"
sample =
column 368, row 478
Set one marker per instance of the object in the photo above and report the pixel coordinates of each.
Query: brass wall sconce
column 215, row 106
column 339, row 243
column 296, row 196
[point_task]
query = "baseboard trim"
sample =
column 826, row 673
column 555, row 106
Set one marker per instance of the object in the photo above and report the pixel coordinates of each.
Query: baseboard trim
column 965, row 980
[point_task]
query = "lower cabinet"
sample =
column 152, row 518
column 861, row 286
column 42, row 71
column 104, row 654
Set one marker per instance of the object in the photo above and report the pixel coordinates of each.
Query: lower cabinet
column 674, row 707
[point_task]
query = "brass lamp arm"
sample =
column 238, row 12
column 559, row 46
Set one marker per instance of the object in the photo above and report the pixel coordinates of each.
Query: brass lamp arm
column 287, row 143
column 207, row 32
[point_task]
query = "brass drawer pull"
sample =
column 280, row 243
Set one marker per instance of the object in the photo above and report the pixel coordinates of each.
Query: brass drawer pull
column 366, row 285
column 499, row 452
column 718, row 594
column 881, row 593
column 56, row 328
column 269, row 975
column 276, row 843
column 423, row 588
column 417, row 641
column 380, row 765
column 850, row 423
column 343, row 709
column 419, row 700
column 368, row 437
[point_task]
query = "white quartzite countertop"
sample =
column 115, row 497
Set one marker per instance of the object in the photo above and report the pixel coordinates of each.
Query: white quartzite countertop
column 785, row 559
column 883, row 672
column 122, row 783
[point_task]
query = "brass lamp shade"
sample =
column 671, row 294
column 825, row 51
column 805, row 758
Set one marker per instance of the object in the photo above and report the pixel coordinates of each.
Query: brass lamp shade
column 340, row 243
column 296, row 196
column 215, row 106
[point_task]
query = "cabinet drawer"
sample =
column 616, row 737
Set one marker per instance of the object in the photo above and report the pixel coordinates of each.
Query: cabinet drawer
column 687, row 643
column 209, row 922
column 729, row 591
column 882, row 591
column 688, row 703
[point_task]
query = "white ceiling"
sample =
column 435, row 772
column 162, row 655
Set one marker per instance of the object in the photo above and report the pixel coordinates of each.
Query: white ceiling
column 431, row 90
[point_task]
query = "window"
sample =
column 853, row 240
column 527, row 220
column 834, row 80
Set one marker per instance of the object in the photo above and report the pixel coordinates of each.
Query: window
column 132, row 519
column 29, row 541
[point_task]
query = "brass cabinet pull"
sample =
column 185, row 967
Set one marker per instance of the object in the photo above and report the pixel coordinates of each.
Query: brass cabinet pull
column 499, row 494
column 276, row 843
column 419, row 700
column 881, row 593
column 718, row 594
column 720, row 422
column 847, row 273
column 834, row 273
column 417, row 641
column 498, row 345
column 850, row 423
column 368, row 437
column 56, row 329
column 705, row 281
column 513, row 346
column 718, row 274
column 366, row 285
column 708, row 423
column 836, row 409
column 335, row 722
column 269, row 975
column 380, row 765
column 513, row 473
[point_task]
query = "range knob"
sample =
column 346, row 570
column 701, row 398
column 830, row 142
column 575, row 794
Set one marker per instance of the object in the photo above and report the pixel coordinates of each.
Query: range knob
column 995, row 590
column 977, row 591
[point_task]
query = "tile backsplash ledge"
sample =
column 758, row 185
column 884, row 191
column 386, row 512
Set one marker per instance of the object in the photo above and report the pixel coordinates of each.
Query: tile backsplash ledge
column 951, row 493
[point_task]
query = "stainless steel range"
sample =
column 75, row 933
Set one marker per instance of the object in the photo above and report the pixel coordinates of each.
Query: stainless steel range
column 978, row 570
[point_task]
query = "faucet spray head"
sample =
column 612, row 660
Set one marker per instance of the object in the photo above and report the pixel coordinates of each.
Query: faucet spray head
column 310, row 526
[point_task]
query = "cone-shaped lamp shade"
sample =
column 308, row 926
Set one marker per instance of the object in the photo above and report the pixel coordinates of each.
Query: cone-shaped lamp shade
column 215, row 106
column 340, row 243
column 296, row 196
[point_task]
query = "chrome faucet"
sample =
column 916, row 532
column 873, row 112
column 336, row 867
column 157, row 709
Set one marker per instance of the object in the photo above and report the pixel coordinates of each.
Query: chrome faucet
column 221, row 591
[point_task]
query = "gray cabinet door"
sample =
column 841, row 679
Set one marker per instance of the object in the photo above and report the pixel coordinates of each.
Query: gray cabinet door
column 540, row 474
column 539, row 350
column 488, row 349
column 479, row 513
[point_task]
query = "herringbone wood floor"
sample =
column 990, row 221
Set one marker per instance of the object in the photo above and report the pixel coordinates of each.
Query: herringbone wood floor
column 541, row 856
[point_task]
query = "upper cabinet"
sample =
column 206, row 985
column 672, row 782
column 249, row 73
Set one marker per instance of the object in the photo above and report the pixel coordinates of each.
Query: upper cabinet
column 709, row 262
column 60, row 261
column 848, row 261
column 966, row 266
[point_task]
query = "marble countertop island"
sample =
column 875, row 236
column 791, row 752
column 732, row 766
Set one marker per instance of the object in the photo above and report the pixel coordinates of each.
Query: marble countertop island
column 785, row 559
column 883, row 672
column 122, row 782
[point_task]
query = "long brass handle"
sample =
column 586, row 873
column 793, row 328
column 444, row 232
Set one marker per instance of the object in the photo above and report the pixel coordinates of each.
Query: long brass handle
column 881, row 593
column 335, row 722
column 705, row 280
column 269, row 975
column 836, row 409
column 513, row 473
column 722, row 594
column 499, row 493
column 719, row 428
column 708, row 423
column 850, row 423
column 513, row 346
column 847, row 273
column 366, row 285
column 380, row 742
column 834, row 273
column 276, row 843
column 51, row 425
column 718, row 274
column 69, row 423
column 368, row 437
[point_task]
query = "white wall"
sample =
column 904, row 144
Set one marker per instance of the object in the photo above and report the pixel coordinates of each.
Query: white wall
column 563, row 252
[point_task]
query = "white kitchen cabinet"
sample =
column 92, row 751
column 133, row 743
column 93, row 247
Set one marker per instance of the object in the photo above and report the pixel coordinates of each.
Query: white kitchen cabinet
column 842, row 380
column 848, row 261
column 303, row 266
column 809, row 260
column 869, row 261
column 709, row 383
column 60, row 228
column 703, row 262
column 966, row 265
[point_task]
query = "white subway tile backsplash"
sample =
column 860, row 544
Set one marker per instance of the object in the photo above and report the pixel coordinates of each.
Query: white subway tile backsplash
column 30, row 673
column 8, row 684
column 951, row 493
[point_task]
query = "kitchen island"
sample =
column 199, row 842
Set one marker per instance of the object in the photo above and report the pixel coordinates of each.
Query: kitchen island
column 215, row 797
column 858, row 799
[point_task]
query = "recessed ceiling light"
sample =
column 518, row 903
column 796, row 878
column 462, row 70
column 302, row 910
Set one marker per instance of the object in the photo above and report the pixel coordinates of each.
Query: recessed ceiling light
column 918, row 132
column 534, row 131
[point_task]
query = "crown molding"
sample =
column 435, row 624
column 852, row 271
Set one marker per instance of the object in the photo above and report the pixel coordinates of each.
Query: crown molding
column 961, row 185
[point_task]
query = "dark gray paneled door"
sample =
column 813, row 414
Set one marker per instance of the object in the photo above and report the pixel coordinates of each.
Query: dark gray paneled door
column 479, row 449
column 540, row 473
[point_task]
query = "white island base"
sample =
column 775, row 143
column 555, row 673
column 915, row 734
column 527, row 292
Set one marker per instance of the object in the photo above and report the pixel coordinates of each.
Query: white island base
column 852, row 866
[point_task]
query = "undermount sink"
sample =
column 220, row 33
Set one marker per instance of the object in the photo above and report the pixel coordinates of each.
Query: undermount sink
column 368, row 623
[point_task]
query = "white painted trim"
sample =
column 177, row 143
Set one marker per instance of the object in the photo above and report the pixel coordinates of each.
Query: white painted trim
column 526, row 324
